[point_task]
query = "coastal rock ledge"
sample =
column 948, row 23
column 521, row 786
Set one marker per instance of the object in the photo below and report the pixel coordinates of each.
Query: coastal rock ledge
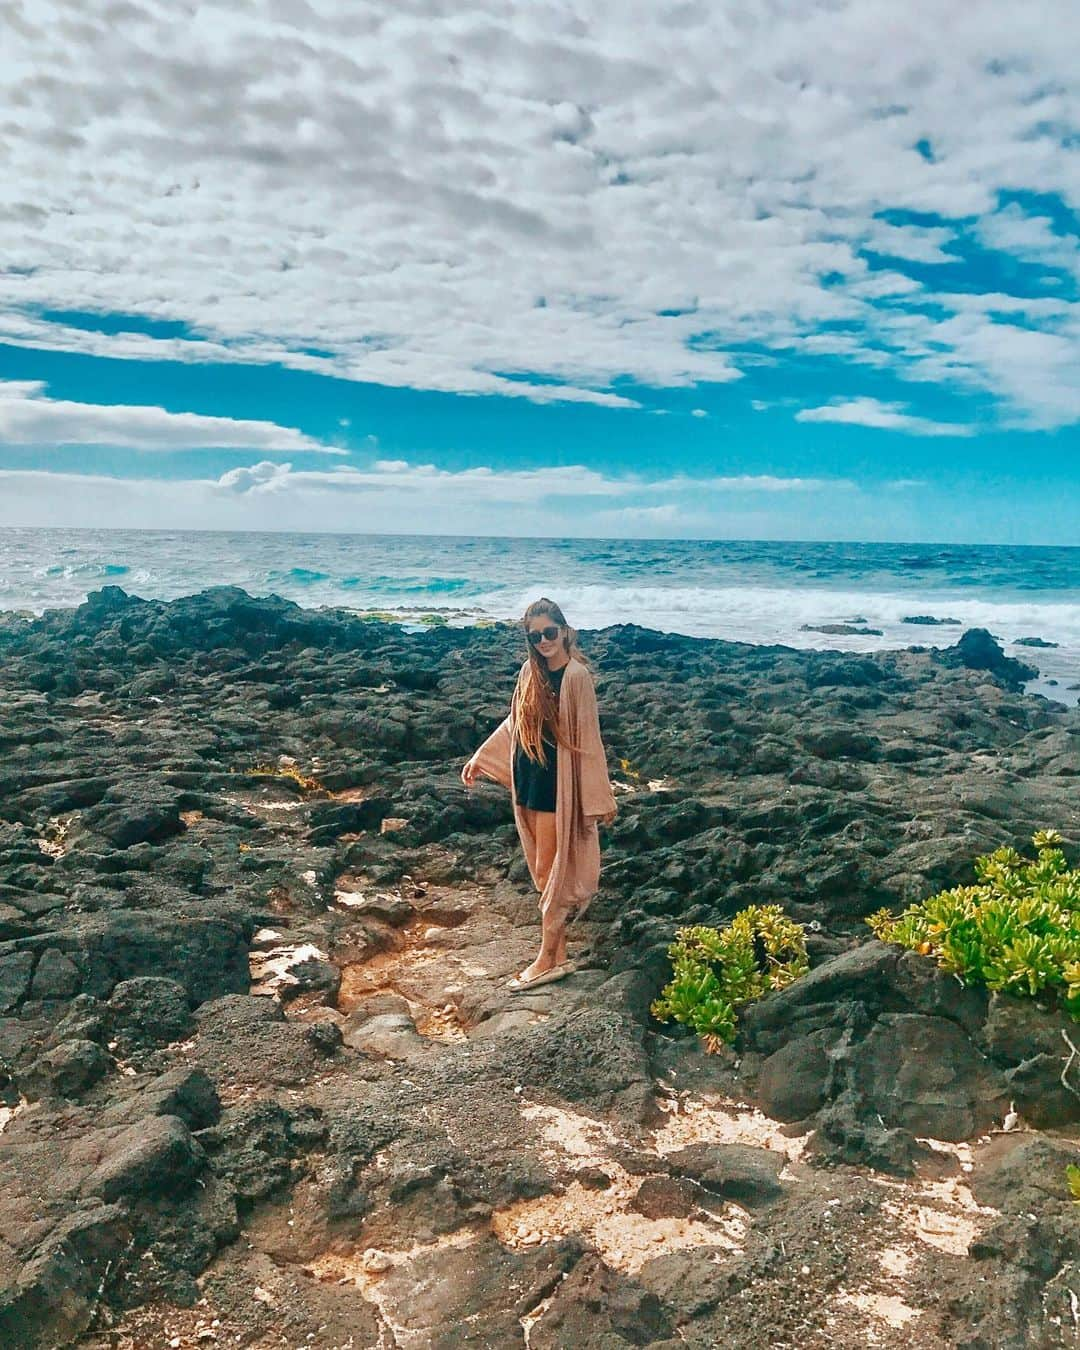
column 261, row 1082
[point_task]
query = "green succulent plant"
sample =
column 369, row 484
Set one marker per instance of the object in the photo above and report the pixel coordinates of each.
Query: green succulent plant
column 717, row 970
column 1017, row 930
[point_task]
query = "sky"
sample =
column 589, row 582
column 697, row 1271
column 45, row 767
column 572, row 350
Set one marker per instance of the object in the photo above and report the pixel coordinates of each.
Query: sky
column 803, row 269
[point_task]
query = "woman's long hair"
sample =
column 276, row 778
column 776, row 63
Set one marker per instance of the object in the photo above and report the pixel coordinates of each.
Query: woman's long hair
column 536, row 711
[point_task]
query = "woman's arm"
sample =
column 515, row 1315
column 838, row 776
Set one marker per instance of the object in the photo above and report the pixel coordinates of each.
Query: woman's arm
column 493, row 757
column 496, row 745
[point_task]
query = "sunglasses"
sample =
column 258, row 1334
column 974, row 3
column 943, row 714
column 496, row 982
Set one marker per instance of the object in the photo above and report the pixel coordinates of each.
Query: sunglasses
column 542, row 634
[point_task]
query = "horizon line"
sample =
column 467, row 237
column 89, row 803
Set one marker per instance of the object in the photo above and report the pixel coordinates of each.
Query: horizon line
column 553, row 538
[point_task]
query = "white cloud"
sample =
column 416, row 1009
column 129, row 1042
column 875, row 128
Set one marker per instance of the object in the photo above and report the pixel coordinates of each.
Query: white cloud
column 770, row 483
column 916, row 243
column 265, row 476
column 390, row 496
column 1035, row 371
column 21, row 389
column 1031, row 238
column 28, row 417
column 574, row 503
column 871, row 412
column 529, row 199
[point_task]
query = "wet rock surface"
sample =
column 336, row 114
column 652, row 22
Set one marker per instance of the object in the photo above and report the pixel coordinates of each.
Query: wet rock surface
column 261, row 1081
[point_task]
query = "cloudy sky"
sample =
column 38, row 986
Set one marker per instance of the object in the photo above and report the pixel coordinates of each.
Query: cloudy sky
column 798, row 269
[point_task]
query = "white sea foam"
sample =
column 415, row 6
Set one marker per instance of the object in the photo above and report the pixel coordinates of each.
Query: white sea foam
column 738, row 591
column 748, row 613
column 777, row 615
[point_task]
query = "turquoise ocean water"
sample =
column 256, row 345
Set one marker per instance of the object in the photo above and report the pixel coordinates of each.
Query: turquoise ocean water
column 743, row 590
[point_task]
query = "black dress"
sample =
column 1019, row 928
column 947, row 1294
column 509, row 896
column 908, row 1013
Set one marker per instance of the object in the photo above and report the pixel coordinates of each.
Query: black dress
column 534, row 784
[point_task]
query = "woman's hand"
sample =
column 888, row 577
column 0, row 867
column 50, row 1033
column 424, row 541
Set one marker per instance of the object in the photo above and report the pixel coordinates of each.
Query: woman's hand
column 469, row 772
column 609, row 819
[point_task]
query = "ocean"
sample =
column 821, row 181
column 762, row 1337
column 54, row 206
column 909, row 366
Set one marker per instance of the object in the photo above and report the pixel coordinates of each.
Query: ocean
column 747, row 591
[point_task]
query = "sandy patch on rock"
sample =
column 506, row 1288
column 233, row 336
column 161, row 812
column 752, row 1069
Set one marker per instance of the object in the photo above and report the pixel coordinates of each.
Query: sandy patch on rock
column 896, row 1261
column 439, row 955
column 272, row 970
column 949, row 1219
column 942, row 1214
column 366, row 1270
column 885, row 1307
column 8, row 1114
column 721, row 1120
column 53, row 840
column 569, row 1136
column 260, row 805
column 624, row 1238
column 395, row 972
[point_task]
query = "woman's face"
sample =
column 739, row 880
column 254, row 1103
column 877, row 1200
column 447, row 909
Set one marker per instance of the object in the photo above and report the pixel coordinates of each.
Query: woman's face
column 543, row 624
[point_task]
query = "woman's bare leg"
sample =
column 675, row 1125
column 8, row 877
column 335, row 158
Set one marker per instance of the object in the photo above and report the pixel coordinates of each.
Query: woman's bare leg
column 552, row 944
column 543, row 827
column 553, row 926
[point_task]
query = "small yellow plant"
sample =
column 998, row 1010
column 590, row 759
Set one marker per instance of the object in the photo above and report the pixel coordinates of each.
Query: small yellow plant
column 302, row 780
column 717, row 970
column 1016, row 930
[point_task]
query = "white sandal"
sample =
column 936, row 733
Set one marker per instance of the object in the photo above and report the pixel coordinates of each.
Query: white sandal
column 517, row 985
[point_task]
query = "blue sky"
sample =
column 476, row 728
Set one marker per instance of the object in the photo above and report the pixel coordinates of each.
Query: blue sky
column 806, row 273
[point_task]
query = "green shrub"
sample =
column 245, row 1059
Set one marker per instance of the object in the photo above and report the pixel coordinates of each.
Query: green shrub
column 1018, row 930
column 715, row 971
column 1072, row 1176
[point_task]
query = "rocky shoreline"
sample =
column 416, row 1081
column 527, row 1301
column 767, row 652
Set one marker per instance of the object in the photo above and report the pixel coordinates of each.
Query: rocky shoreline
column 262, row 1084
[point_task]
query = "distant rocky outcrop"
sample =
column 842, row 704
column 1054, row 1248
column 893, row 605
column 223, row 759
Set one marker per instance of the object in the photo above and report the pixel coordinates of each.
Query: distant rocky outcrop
column 840, row 629
column 978, row 650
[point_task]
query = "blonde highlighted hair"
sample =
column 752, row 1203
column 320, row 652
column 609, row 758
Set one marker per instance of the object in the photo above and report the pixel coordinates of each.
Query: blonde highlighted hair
column 535, row 710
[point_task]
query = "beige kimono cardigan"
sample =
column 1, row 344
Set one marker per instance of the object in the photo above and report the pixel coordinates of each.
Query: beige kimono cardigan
column 582, row 794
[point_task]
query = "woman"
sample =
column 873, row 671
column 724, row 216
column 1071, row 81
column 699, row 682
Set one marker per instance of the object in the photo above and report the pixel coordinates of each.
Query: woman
column 548, row 752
